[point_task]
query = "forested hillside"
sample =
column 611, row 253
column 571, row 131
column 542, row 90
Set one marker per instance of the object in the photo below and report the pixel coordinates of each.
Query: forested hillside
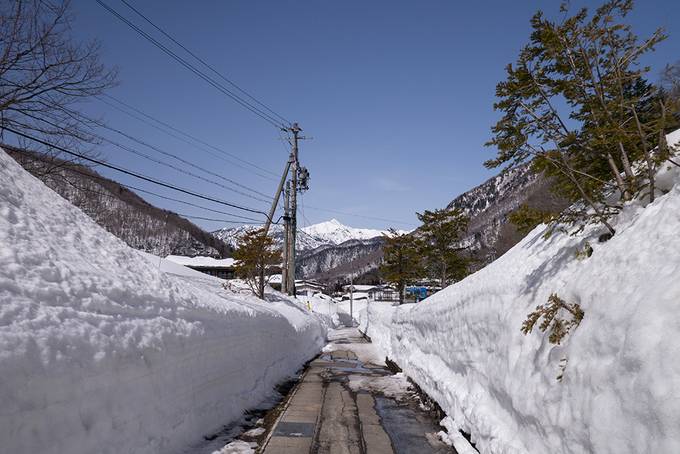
column 121, row 211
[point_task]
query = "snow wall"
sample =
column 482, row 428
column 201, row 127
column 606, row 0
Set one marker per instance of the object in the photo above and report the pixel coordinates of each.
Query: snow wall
column 104, row 349
column 620, row 390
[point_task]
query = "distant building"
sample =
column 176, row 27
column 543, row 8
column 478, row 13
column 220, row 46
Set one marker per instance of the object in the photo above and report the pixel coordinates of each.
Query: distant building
column 308, row 287
column 303, row 287
column 355, row 296
column 383, row 293
column 380, row 292
column 221, row 268
column 420, row 292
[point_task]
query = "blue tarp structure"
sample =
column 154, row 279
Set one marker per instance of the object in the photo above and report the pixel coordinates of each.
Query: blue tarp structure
column 420, row 293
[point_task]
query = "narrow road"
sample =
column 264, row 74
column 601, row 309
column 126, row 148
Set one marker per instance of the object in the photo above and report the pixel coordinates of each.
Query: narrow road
column 346, row 403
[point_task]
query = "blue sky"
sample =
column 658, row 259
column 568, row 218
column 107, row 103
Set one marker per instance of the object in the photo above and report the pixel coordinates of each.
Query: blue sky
column 397, row 96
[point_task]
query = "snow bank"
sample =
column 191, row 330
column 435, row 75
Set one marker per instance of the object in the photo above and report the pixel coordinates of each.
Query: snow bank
column 201, row 261
column 375, row 321
column 324, row 307
column 620, row 391
column 104, row 349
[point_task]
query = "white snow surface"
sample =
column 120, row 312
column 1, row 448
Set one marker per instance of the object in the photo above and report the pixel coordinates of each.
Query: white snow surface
column 453, row 437
column 201, row 261
column 334, row 232
column 105, row 349
column 620, row 391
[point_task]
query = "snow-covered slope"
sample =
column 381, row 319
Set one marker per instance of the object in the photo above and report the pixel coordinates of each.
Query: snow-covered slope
column 104, row 349
column 334, row 232
column 620, row 386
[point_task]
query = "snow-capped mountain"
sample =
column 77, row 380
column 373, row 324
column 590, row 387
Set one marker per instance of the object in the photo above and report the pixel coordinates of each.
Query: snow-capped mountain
column 328, row 233
column 331, row 251
column 334, row 232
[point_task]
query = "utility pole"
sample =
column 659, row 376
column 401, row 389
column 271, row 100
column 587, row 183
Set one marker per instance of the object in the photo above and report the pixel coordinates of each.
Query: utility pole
column 351, row 299
column 286, row 238
column 292, row 225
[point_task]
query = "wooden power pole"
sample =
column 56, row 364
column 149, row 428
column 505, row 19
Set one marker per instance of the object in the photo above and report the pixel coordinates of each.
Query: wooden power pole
column 292, row 223
column 286, row 238
column 290, row 214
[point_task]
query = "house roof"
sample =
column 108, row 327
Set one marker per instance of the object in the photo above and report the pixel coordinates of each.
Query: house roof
column 356, row 295
column 367, row 288
column 201, row 261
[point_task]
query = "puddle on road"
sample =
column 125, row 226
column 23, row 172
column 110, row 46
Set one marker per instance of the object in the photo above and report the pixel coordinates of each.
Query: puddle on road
column 353, row 366
column 407, row 428
column 406, row 424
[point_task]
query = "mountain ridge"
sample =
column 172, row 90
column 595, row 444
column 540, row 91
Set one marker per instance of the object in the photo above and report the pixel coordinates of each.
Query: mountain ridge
column 325, row 233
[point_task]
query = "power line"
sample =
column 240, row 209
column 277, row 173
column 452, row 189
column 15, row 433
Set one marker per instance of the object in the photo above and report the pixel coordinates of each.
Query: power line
column 260, row 113
column 192, row 204
column 220, row 75
column 216, row 220
column 150, row 158
column 146, row 191
column 112, row 196
column 179, row 131
column 137, row 175
column 181, row 170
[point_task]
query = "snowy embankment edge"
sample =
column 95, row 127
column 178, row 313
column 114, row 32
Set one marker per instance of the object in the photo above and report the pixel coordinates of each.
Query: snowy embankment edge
column 104, row 349
column 620, row 373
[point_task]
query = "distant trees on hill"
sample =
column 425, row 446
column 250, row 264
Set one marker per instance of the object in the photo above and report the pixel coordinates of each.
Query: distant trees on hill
column 441, row 235
column 402, row 263
column 433, row 251
column 121, row 211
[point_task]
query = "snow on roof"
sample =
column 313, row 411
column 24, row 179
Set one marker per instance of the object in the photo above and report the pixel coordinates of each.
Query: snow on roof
column 361, row 287
column 308, row 284
column 356, row 296
column 201, row 261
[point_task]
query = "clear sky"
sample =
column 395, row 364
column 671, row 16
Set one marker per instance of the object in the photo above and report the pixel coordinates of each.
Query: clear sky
column 396, row 95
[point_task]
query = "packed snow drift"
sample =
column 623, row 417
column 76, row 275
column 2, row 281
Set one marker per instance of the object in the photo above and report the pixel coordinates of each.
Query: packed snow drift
column 619, row 385
column 105, row 349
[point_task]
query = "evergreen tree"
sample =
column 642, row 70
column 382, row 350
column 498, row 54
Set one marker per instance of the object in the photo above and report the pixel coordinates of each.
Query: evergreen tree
column 255, row 253
column 526, row 218
column 441, row 235
column 401, row 263
column 576, row 103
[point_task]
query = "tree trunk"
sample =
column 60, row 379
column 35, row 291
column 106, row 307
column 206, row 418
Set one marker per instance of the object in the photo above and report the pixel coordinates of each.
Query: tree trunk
column 600, row 214
column 617, row 176
column 401, row 287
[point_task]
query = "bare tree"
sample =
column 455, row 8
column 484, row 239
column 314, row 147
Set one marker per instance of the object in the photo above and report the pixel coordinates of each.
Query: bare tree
column 45, row 76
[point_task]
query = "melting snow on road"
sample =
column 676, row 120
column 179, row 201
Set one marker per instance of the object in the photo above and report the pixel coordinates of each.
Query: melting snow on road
column 104, row 349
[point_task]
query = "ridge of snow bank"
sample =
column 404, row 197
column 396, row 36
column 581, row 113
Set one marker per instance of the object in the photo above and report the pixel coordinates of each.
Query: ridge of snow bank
column 104, row 349
column 620, row 392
